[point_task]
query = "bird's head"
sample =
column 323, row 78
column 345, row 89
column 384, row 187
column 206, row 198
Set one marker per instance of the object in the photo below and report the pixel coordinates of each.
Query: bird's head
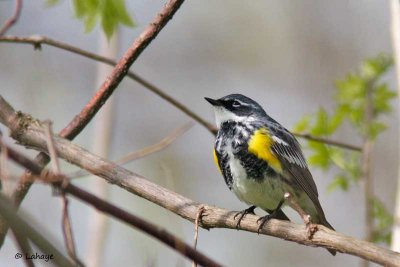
column 235, row 108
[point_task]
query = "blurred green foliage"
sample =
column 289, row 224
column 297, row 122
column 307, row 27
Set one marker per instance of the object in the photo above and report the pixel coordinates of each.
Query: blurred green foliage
column 109, row 13
column 353, row 94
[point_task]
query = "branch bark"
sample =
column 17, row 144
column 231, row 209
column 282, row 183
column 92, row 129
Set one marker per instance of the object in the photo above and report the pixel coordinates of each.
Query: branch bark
column 38, row 41
column 159, row 233
column 32, row 135
column 84, row 117
column 98, row 225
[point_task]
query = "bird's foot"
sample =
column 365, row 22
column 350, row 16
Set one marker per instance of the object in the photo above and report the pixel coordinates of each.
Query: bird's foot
column 243, row 213
column 264, row 220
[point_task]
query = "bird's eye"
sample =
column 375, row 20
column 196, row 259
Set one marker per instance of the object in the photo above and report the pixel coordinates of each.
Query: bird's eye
column 236, row 104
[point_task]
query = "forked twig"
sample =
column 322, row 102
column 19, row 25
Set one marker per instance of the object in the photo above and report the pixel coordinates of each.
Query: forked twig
column 66, row 221
column 31, row 135
column 110, row 84
column 112, row 210
column 37, row 41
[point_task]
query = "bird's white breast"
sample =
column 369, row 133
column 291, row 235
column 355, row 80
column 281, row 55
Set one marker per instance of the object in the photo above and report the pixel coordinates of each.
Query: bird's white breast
column 264, row 193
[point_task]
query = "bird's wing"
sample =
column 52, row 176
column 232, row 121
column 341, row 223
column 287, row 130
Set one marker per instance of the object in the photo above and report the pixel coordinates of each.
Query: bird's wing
column 287, row 150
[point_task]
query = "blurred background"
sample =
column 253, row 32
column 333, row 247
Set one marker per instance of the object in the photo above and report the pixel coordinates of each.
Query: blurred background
column 285, row 54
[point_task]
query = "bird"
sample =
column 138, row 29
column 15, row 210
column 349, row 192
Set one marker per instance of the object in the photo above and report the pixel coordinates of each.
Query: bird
column 261, row 161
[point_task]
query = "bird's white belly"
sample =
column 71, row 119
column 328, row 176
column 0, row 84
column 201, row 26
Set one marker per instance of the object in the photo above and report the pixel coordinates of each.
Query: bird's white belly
column 265, row 194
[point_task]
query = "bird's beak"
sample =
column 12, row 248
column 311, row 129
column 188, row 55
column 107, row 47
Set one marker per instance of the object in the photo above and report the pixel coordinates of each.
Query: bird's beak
column 213, row 102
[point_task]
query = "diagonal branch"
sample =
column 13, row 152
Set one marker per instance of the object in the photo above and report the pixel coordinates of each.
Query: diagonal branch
column 120, row 70
column 112, row 210
column 38, row 41
column 32, row 135
column 13, row 19
column 105, row 91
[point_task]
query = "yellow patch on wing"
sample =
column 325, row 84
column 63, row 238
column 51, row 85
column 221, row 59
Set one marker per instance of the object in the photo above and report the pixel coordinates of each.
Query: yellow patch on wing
column 216, row 160
column 260, row 145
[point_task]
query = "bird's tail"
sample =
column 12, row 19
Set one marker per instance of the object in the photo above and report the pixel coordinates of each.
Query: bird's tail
column 325, row 223
column 280, row 215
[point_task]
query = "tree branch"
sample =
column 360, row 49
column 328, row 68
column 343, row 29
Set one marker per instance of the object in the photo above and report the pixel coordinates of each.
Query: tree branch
column 32, row 135
column 13, row 19
column 121, row 69
column 66, row 221
column 329, row 142
column 105, row 91
column 112, row 210
column 38, row 41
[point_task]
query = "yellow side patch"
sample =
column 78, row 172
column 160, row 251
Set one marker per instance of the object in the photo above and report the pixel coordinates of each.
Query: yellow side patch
column 216, row 160
column 260, row 145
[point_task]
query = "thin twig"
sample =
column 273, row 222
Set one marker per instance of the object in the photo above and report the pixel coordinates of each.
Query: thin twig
column 66, row 222
column 311, row 227
column 329, row 142
column 196, row 230
column 13, row 19
column 37, row 41
column 88, row 112
column 32, row 136
column 164, row 143
column 112, row 210
column 121, row 69
column 144, row 152
column 294, row 205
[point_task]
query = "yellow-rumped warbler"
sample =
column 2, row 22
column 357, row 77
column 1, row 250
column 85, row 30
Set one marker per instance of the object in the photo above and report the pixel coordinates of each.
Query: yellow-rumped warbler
column 261, row 161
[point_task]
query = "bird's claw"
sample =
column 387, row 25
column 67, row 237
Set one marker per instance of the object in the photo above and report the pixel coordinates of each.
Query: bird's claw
column 263, row 220
column 242, row 214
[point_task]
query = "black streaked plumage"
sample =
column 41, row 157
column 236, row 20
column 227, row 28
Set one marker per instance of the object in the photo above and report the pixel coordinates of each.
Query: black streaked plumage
column 262, row 177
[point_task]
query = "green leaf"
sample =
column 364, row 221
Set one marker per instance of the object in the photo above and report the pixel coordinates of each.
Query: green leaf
column 350, row 89
column 381, row 98
column 372, row 68
column 320, row 156
column 320, row 127
column 375, row 128
column 339, row 182
column 114, row 12
column 335, row 121
column 110, row 13
column 302, row 125
column 51, row 3
column 383, row 221
column 337, row 157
